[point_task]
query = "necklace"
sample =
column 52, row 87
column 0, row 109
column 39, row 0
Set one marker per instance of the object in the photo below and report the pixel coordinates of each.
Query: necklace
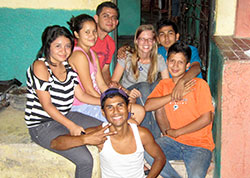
column 140, row 68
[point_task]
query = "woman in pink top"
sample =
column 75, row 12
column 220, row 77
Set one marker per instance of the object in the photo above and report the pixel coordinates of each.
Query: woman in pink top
column 85, row 62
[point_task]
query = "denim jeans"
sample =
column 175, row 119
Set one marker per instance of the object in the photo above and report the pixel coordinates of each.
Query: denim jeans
column 90, row 110
column 149, row 120
column 80, row 156
column 196, row 159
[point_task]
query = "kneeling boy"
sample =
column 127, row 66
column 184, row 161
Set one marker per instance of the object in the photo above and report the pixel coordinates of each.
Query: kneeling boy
column 122, row 154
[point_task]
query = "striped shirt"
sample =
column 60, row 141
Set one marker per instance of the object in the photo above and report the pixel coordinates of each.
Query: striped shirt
column 62, row 94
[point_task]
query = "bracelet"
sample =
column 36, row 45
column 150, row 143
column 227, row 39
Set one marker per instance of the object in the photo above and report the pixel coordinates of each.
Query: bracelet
column 166, row 131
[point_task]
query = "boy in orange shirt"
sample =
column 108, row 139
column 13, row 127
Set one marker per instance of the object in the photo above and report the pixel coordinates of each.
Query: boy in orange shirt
column 187, row 131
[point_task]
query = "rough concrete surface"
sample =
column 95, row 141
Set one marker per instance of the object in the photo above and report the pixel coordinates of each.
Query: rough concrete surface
column 21, row 158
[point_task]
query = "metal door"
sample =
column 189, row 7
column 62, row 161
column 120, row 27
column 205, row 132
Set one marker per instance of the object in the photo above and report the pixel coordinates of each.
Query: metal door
column 195, row 26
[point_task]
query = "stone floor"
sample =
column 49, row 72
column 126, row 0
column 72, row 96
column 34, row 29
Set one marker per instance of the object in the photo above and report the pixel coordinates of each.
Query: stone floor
column 20, row 157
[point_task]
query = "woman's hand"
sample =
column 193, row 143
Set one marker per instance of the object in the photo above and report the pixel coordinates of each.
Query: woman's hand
column 114, row 84
column 75, row 130
column 133, row 94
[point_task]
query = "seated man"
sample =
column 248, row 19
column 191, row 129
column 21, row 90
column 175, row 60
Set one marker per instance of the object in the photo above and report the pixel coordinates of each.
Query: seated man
column 122, row 154
column 187, row 128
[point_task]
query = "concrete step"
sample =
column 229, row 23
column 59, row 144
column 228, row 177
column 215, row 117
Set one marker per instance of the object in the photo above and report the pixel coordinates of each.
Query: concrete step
column 20, row 157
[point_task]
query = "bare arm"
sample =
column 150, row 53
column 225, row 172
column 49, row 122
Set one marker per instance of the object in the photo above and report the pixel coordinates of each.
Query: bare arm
column 118, row 72
column 102, row 85
column 152, row 104
column 106, row 74
column 162, row 120
column 85, row 97
column 178, row 91
column 93, row 136
column 201, row 122
column 80, row 63
column 138, row 113
column 154, row 150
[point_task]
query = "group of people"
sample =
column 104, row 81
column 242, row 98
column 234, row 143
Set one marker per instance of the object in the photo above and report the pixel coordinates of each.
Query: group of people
column 73, row 101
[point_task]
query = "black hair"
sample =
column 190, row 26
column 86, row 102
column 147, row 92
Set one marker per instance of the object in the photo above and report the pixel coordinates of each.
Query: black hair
column 108, row 4
column 164, row 23
column 76, row 23
column 181, row 47
column 112, row 92
column 50, row 34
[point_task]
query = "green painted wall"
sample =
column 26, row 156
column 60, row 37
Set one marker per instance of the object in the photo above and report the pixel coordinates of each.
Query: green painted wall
column 21, row 31
column 130, row 16
column 214, row 79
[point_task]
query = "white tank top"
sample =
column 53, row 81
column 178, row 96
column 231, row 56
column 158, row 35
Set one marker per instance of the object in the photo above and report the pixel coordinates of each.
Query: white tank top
column 116, row 165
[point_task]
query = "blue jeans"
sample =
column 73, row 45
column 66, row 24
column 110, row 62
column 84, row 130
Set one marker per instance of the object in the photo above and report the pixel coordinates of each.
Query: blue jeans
column 196, row 159
column 90, row 110
column 149, row 121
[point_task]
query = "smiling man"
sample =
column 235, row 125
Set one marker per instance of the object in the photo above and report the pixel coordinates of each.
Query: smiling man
column 107, row 15
column 122, row 154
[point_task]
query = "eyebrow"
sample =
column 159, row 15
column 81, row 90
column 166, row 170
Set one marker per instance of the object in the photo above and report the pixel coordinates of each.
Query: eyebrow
column 104, row 13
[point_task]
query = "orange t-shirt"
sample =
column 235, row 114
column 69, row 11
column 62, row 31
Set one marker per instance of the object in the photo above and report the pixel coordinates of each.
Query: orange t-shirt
column 181, row 113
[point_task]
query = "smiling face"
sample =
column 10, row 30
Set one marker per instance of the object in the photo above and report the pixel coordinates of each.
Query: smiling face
column 107, row 20
column 87, row 36
column 145, row 41
column 167, row 36
column 177, row 65
column 60, row 49
column 116, row 111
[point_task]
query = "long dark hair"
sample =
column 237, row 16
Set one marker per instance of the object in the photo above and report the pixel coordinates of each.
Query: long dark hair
column 50, row 34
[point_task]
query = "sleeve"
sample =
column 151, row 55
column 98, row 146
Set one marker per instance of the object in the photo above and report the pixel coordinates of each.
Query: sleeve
column 111, row 50
column 162, row 51
column 161, row 63
column 74, row 77
column 122, row 62
column 195, row 55
column 37, row 83
column 158, row 90
column 203, row 97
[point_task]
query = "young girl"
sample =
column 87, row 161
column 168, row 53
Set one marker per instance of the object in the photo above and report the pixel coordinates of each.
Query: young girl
column 85, row 62
column 51, row 85
column 140, row 69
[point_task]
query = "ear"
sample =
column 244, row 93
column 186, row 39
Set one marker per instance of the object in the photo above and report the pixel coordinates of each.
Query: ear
column 177, row 36
column 103, row 113
column 158, row 40
column 116, row 23
column 188, row 65
column 135, row 41
column 129, row 107
column 96, row 18
column 76, row 34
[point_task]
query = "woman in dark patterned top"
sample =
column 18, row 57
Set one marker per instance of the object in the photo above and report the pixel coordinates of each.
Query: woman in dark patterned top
column 51, row 85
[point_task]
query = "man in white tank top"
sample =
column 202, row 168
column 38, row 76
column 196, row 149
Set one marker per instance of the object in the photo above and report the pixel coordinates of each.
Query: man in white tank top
column 122, row 153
